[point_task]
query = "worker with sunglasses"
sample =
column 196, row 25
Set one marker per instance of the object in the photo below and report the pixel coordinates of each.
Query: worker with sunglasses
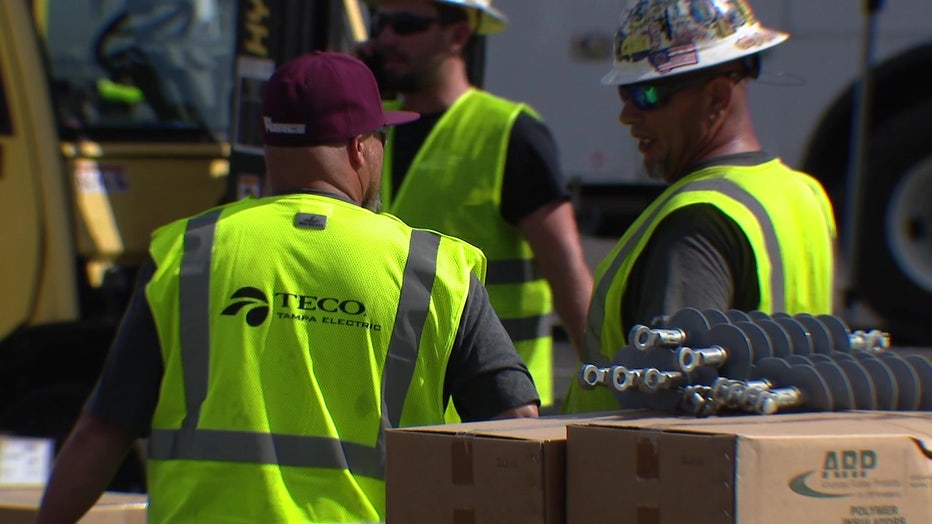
column 481, row 168
column 736, row 228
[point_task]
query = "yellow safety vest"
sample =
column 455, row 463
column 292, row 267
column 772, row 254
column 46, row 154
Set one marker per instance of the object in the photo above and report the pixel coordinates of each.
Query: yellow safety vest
column 788, row 221
column 454, row 186
column 294, row 331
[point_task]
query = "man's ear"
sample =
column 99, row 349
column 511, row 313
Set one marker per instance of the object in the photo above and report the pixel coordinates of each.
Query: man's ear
column 460, row 35
column 720, row 91
column 354, row 150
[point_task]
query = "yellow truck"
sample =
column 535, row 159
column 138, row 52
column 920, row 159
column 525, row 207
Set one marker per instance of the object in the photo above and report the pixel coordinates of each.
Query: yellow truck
column 116, row 118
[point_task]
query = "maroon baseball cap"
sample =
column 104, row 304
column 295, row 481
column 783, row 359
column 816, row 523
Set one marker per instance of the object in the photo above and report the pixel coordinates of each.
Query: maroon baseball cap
column 323, row 98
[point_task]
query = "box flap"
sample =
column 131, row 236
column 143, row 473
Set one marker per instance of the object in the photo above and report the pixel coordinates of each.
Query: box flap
column 543, row 428
column 917, row 425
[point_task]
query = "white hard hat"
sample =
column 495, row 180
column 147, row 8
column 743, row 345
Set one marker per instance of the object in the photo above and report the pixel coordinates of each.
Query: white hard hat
column 661, row 38
column 490, row 21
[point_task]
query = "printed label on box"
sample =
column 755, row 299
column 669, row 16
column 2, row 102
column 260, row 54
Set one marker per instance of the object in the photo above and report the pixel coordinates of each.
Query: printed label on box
column 25, row 461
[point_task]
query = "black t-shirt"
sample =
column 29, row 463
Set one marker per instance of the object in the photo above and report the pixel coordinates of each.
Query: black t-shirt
column 532, row 176
column 484, row 376
column 697, row 257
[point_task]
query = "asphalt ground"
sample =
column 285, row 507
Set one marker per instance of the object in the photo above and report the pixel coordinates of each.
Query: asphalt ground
column 565, row 364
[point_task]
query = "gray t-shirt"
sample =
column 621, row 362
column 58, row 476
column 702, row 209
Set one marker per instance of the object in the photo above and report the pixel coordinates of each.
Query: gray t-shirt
column 484, row 376
column 697, row 257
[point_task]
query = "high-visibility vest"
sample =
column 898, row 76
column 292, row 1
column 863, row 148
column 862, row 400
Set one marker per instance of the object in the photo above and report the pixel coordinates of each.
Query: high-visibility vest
column 294, row 331
column 454, row 186
column 788, row 221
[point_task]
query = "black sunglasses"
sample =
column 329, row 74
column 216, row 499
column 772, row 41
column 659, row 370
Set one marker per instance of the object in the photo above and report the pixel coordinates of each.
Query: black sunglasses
column 402, row 23
column 382, row 134
column 648, row 96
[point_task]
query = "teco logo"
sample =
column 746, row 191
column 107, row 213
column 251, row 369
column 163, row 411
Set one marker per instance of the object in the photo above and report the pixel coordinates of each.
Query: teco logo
column 326, row 304
column 249, row 296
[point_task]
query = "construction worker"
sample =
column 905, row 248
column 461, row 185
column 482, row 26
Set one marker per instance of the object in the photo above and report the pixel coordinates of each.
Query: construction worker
column 736, row 228
column 481, row 168
column 274, row 340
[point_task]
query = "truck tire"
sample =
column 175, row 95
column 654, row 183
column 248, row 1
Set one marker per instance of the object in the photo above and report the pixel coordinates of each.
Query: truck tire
column 894, row 253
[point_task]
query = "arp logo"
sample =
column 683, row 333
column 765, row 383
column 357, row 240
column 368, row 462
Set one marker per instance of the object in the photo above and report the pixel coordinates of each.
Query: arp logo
column 848, row 464
column 837, row 466
column 253, row 298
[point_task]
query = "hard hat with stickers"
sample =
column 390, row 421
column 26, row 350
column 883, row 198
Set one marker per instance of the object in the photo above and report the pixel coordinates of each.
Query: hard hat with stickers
column 662, row 38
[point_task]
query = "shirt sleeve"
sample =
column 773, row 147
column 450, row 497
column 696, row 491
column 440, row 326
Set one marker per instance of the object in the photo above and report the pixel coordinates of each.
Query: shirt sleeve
column 128, row 388
column 697, row 257
column 533, row 177
column 485, row 375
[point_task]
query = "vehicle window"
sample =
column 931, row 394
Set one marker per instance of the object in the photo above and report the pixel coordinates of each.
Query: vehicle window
column 122, row 67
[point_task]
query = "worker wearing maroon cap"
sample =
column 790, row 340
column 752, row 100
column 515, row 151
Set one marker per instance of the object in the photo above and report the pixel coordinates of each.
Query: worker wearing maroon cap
column 274, row 340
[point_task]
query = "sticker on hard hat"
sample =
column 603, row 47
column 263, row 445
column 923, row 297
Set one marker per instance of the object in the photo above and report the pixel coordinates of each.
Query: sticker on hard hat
column 669, row 59
column 754, row 40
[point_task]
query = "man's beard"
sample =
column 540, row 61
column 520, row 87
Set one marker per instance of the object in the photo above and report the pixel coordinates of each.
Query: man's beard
column 403, row 83
column 373, row 202
column 655, row 170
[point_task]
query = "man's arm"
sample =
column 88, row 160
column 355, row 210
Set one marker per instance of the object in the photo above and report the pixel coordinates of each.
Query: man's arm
column 536, row 200
column 117, row 413
column 553, row 235
column 89, row 459
column 485, row 375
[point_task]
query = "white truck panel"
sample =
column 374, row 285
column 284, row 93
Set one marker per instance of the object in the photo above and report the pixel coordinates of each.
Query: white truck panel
column 533, row 60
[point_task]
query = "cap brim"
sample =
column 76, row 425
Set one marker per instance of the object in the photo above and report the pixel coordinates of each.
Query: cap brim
column 393, row 118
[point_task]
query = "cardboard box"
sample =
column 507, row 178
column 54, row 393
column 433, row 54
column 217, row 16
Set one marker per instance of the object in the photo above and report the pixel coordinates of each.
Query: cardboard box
column 510, row 471
column 866, row 467
column 20, row 506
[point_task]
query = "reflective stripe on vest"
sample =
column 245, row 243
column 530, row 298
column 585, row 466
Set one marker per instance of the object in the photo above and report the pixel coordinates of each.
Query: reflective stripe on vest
column 518, row 271
column 512, row 271
column 413, row 307
column 527, row 328
column 592, row 343
column 192, row 443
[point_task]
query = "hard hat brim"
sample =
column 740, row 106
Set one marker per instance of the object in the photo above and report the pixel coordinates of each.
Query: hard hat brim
column 677, row 60
column 491, row 20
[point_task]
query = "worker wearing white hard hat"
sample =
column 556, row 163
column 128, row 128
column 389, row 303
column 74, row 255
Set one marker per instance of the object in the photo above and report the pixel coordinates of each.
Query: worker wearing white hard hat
column 736, row 228
column 481, row 168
